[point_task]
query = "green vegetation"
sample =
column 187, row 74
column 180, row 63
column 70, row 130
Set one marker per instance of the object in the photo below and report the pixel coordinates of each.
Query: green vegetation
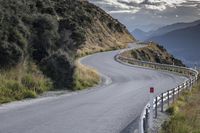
column 84, row 77
column 51, row 36
column 185, row 113
column 20, row 83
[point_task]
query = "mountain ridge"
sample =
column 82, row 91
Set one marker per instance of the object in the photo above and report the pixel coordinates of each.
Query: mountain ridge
column 141, row 35
column 183, row 43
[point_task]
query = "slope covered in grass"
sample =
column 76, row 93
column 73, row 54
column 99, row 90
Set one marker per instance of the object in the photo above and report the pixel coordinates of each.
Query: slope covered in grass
column 185, row 113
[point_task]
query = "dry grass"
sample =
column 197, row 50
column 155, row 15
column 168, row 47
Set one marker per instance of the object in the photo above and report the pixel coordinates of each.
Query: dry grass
column 84, row 77
column 22, row 82
column 185, row 112
column 104, row 40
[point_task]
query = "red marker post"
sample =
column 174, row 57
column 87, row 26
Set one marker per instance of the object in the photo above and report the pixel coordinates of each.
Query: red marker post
column 151, row 90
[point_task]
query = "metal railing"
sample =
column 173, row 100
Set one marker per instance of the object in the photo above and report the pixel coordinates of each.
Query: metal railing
column 163, row 98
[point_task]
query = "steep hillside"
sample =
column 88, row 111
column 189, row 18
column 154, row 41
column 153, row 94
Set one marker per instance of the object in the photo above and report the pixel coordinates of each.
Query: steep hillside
column 51, row 34
column 183, row 43
column 153, row 53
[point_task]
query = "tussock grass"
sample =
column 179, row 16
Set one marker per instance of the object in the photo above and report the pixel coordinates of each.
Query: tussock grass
column 84, row 77
column 185, row 113
column 22, row 82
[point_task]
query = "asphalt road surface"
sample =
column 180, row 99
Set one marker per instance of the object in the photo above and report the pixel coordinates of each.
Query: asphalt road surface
column 113, row 107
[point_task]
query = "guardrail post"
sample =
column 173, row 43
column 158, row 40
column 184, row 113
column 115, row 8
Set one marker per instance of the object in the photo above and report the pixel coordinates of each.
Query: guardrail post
column 178, row 90
column 168, row 100
column 173, row 95
column 144, row 125
column 156, row 107
column 162, row 102
column 151, row 108
column 190, row 84
column 146, row 120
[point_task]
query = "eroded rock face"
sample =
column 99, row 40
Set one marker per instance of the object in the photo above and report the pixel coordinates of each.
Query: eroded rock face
column 36, row 30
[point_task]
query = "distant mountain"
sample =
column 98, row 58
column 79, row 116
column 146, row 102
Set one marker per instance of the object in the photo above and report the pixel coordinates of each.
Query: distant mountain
column 169, row 28
column 183, row 43
column 141, row 35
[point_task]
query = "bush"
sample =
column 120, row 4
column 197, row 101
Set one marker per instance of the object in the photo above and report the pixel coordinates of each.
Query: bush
column 10, row 54
column 43, row 42
column 59, row 69
column 79, row 36
column 19, row 38
column 44, row 22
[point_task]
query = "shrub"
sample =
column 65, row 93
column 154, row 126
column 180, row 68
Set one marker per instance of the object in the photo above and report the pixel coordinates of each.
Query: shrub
column 43, row 42
column 10, row 54
column 59, row 69
column 44, row 22
column 79, row 36
column 21, row 40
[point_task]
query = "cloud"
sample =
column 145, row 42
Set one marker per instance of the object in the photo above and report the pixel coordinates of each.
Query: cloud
column 132, row 6
column 125, row 11
column 150, row 14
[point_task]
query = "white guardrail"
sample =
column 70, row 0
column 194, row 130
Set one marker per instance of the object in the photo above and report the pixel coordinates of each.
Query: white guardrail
column 163, row 98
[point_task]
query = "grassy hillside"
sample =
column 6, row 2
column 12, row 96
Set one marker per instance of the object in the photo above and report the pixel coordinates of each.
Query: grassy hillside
column 153, row 53
column 185, row 113
column 52, row 35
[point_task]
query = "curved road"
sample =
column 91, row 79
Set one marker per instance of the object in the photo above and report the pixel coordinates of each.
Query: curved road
column 113, row 107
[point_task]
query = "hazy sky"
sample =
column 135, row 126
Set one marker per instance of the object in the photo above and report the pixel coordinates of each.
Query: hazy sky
column 150, row 14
